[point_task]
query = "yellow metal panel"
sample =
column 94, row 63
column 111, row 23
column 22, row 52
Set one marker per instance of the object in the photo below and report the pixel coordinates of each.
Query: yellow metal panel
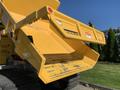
column 48, row 42
column 17, row 17
column 27, row 51
column 72, row 28
column 25, row 7
column 45, row 40
column 52, row 72
column 58, row 70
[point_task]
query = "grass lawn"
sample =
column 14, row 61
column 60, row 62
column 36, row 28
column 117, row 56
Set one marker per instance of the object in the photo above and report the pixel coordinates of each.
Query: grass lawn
column 103, row 74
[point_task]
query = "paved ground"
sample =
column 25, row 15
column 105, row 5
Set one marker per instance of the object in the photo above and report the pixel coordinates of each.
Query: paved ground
column 80, row 87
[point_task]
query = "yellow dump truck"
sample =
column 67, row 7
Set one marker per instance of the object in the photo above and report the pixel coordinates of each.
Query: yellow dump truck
column 38, row 39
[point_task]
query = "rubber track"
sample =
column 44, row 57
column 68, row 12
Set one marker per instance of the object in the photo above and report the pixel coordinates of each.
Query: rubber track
column 22, row 79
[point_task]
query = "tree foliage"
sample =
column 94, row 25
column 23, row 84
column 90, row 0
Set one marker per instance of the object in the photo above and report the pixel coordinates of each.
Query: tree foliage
column 117, row 49
column 110, row 45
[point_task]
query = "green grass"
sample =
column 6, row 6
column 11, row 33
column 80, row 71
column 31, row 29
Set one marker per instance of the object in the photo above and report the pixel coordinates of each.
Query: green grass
column 103, row 74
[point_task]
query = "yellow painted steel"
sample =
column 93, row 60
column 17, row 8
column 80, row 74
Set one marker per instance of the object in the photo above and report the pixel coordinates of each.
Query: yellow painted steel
column 50, row 41
column 53, row 55
column 25, row 7
column 72, row 28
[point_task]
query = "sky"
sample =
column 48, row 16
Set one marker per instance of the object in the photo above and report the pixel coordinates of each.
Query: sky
column 104, row 14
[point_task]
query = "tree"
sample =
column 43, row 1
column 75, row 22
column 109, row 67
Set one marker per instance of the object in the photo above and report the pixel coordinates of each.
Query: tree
column 110, row 45
column 117, row 49
column 94, row 46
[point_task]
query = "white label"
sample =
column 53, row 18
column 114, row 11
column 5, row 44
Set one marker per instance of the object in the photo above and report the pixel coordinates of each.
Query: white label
column 59, row 22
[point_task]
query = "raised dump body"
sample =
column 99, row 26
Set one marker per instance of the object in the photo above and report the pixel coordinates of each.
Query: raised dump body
column 50, row 41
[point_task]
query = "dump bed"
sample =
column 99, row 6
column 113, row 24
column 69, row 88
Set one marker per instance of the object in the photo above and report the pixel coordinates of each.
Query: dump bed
column 69, row 27
column 53, row 43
